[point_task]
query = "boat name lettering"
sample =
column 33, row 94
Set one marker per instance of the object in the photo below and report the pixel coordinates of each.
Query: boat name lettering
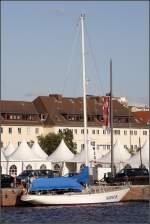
column 111, row 197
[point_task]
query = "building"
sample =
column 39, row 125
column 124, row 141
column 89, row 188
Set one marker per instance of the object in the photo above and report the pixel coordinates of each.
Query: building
column 19, row 120
column 27, row 120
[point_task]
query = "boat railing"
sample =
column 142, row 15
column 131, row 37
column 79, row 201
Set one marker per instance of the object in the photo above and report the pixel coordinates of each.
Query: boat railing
column 104, row 187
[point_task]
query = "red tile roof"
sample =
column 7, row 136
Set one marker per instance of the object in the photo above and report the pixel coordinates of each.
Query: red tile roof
column 143, row 116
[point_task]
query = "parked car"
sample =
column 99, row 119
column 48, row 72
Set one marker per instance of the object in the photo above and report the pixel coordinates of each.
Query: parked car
column 24, row 177
column 7, row 181
column 133, row 175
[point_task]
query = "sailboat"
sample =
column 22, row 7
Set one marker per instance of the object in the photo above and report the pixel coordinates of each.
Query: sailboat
column 73, row 190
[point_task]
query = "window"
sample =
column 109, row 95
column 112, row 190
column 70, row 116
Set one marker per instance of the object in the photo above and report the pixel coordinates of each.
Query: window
column 57, row 167
column 10, row 130
column 82, row 146
column 104, row 146
column 75, row 131
column 82, row 131
column 97, row 132
column 125, row 132
column 135, row 132
column 93, row 132
column 131, row 132
column 125, row 146
column 117, row 132
column 104, row 132
column 36, row 130
column 1, row 130
column 19, row 143
column 19, row 130
column 13, row 171
column 108, row 146
column 29, row 167
column 144, row 132
column 28, row 130
column 43, row 167
column 1, row 144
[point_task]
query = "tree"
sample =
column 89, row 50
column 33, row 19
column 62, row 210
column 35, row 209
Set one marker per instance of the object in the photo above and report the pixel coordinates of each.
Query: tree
column 51, row 141
column 67, row 135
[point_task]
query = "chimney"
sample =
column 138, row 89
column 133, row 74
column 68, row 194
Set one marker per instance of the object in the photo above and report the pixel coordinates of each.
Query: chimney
column 56, row 96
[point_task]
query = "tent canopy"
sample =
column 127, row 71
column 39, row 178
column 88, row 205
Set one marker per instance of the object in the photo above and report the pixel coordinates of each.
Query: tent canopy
column 23, row 153
column 3, row 158
column 80, row 158
column 135, row 160
column 62, row 153
column 9, row 149
column 38, row 151
column 120, row 154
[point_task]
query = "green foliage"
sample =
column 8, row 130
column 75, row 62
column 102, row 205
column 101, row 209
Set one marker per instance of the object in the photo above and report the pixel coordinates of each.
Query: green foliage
column 51, row 141
column 67, row 135
column 131, row 151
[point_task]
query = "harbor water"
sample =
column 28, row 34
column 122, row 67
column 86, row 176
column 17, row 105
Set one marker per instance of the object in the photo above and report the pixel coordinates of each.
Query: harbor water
column 114, row 213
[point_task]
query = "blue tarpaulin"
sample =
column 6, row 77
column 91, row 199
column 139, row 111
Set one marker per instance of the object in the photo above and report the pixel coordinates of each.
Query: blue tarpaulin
column 57, row 183
column 83, row 177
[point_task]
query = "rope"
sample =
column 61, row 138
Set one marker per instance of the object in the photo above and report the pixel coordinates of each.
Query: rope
column 94, row 61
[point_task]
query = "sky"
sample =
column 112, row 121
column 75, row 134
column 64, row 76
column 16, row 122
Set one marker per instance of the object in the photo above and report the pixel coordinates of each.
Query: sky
column 41, row 49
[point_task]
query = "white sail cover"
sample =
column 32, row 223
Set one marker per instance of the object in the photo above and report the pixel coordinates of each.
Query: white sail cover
column 120, row 154
column 80, row 158
column 23, row 153
column 62, row 153
column 9, row 149
column 135, row 160
column 38, row 151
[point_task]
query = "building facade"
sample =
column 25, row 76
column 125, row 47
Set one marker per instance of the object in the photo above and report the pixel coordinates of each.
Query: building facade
column 27, row 120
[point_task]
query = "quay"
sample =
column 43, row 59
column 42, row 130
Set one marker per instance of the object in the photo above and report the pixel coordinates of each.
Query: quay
column 137, row 193
column 11, row 196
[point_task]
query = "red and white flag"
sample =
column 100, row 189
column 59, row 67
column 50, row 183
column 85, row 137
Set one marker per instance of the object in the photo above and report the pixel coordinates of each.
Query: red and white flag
column 106, row 110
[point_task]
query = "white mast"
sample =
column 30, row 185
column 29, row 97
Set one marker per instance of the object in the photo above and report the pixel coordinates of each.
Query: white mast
column 84, row 88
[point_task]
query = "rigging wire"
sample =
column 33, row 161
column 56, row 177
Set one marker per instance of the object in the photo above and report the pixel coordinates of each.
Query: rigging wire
column 68, row 70
column 94, row 61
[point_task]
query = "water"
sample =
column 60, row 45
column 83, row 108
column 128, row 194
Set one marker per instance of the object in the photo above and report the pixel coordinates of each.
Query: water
column 115, row 213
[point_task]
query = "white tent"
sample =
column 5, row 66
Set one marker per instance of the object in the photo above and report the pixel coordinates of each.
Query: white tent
column 38, row 151
column 9, row 149
column 135, row 160
column 23, row 153
column 3, row 157
column 3, row 162
column 24, row 157
column 120, row 154
column 62, row 153
column 80, row 158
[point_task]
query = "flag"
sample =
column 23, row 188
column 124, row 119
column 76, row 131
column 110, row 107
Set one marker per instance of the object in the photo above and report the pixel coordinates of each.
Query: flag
column 106, row 110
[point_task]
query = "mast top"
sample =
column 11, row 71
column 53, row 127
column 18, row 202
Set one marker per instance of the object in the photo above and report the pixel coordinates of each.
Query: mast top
column 82, row 15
